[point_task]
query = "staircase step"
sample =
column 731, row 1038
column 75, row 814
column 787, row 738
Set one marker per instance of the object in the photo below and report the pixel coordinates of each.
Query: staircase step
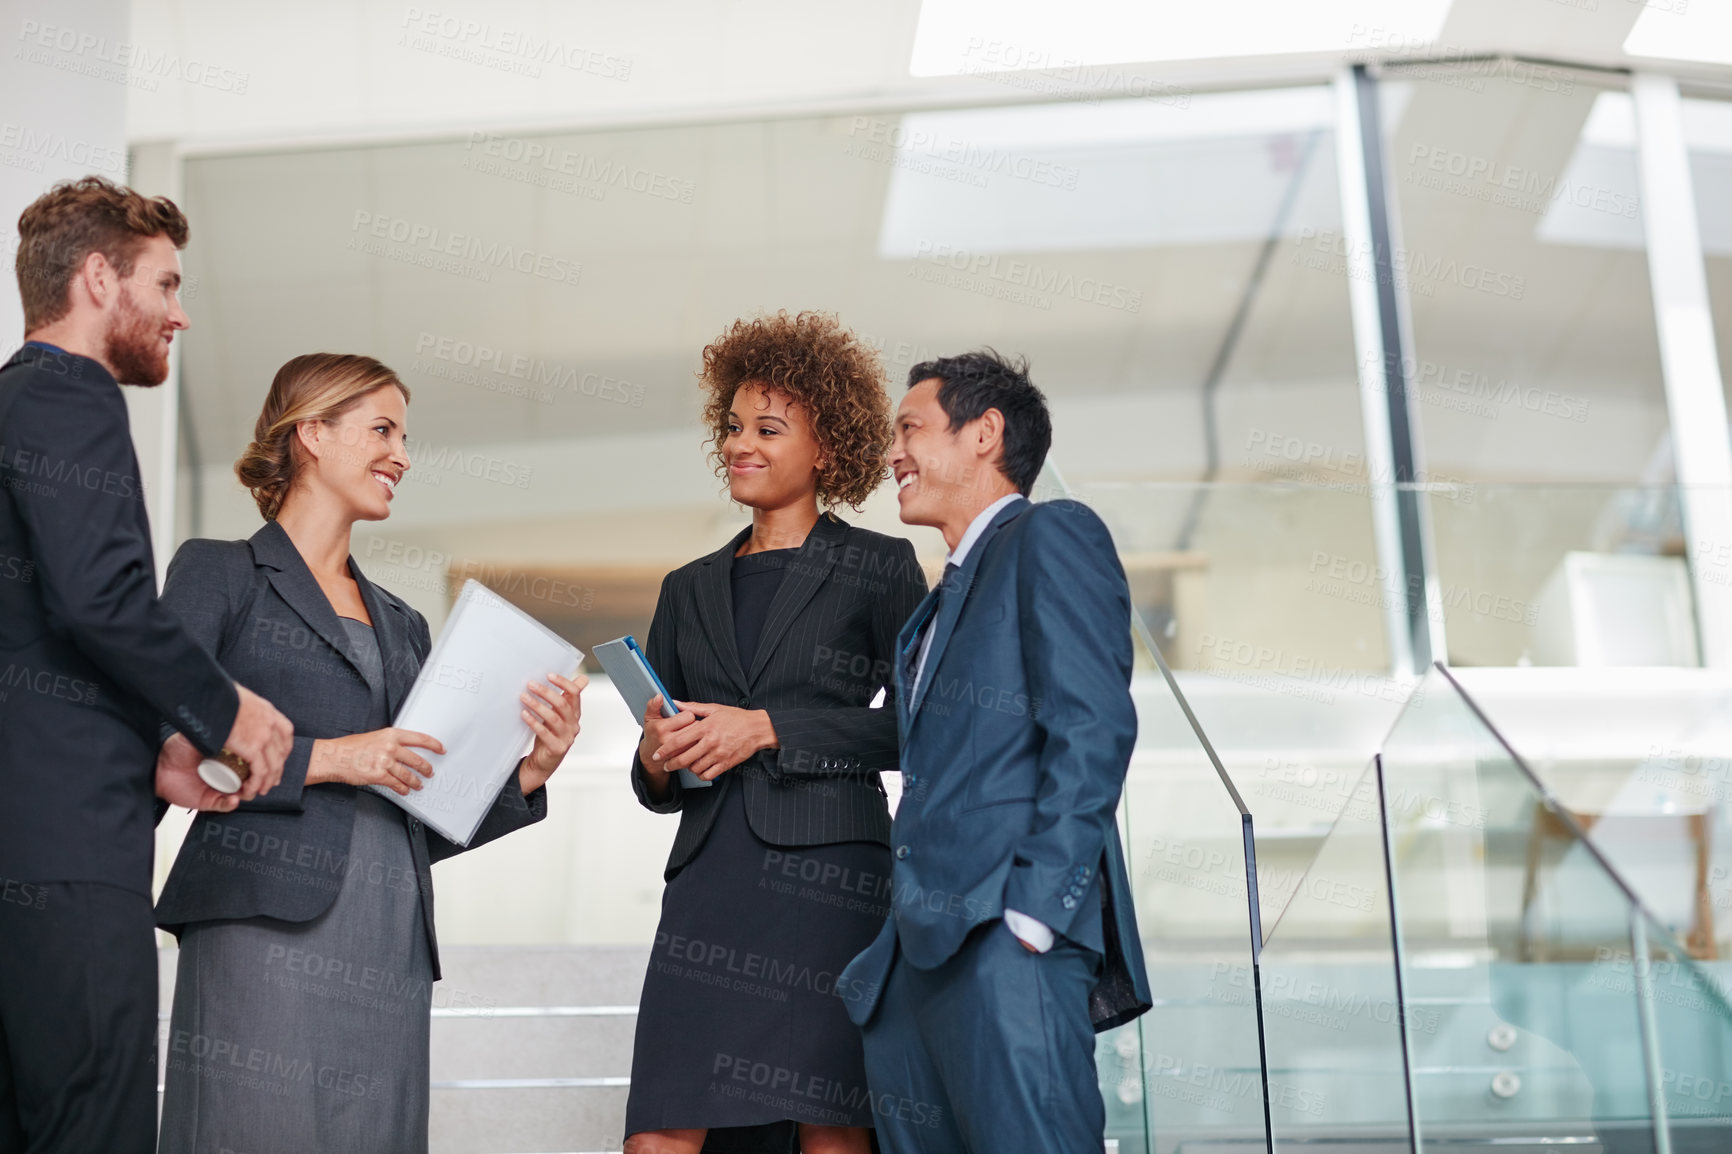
column 480, row 976
column 525, row 1120
column 558, row 1044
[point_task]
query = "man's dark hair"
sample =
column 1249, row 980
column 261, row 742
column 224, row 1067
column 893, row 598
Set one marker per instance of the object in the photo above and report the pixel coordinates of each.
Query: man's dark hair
column 971, row 383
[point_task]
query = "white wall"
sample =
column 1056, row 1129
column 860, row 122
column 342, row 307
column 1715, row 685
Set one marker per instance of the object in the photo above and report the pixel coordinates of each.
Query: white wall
column 62, row 113
column 384, row 67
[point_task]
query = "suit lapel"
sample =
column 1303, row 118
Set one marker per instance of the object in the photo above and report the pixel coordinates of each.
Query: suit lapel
column 908, row 657
column 715, row 596
column 295, row 584
column 802, row 579
column 396, row 645
column 950, row 608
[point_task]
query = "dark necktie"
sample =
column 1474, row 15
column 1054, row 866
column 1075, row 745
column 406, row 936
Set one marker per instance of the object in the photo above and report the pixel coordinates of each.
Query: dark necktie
column 948, row 586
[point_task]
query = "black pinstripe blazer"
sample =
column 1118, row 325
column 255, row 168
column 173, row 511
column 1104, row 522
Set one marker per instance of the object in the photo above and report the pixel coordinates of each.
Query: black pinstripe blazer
column 828, row 647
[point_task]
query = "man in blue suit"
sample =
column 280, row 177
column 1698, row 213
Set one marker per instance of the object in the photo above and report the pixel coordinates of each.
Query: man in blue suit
column 1012, row 939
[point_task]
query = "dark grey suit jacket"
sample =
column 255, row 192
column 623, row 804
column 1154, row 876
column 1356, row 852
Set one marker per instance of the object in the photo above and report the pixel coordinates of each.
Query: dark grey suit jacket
column 257, row 608
column 90, row 661
column 828, row 647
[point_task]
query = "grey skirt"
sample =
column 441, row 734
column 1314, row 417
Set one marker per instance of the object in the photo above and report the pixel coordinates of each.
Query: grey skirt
column 292, row 1037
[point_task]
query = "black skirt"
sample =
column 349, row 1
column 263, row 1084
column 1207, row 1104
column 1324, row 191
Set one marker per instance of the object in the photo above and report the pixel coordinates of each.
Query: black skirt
column 740, row 1024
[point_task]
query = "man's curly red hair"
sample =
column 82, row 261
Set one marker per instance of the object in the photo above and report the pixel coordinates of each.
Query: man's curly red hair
column 826, row 371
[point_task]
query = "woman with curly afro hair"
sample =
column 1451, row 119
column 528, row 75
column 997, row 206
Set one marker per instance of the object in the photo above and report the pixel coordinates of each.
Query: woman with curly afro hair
column 773, row 648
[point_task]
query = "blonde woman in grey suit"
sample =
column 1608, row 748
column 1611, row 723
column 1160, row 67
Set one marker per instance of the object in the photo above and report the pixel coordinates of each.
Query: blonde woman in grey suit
column 305, row 917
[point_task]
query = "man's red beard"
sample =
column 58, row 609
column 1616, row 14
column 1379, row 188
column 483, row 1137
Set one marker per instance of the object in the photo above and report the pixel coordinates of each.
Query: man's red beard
column 134, row 348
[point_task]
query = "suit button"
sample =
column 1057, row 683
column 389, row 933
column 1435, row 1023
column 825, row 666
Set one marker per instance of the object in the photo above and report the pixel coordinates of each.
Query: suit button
column 901, row 853
column 909, row 781
column 1069, row 902
column 745, row 702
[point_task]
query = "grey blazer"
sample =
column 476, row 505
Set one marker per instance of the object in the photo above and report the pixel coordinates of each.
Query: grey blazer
column 256, row 607
column 828, row 647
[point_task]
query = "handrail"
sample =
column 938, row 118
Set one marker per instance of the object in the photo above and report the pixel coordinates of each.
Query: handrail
column 1247, row 832
column 1563, row 814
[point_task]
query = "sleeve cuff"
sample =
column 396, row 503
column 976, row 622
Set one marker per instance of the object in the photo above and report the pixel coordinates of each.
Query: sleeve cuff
column 286, row 796
column 210, row 727
column 640, row 786
column 1036, row 935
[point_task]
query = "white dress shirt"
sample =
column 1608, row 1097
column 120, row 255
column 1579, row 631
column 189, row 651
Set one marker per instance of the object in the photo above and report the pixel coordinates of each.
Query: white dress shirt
column 1033, row 933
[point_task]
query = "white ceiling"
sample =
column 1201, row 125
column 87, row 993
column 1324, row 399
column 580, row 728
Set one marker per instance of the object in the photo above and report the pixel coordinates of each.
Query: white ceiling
column 785, row 155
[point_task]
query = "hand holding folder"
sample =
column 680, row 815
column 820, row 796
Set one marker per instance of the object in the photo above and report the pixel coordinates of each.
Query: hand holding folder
column 638, row 684
column 466, row 695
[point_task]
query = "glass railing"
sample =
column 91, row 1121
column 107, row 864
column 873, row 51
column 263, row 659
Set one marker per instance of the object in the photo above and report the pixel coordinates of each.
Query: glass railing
column 1332, row 1006
column 1500, row 913
column 1273, row 605
column 1459, row 965
column 1641, row 759
column 1191, row 1070
column 1392, row 1000
column 1544, row 1003
column 1270, row 602
column 1693, row 1039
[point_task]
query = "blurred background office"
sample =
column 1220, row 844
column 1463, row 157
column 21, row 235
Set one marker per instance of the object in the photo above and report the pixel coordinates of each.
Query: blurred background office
column 1384, row 333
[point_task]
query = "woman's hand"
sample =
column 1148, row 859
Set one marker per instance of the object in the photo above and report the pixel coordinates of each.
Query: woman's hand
column 657, row 730
column 384, row 757
column 556, row 715
column 720, row 738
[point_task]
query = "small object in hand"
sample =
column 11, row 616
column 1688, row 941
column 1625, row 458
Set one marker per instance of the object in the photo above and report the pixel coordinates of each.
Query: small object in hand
column 225, row 772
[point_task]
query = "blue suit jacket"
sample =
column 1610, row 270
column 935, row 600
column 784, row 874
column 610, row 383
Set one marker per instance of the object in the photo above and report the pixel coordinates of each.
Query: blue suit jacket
column 1014, row 751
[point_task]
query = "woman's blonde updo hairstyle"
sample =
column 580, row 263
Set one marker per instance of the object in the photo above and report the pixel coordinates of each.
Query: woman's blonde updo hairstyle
column 316, row 387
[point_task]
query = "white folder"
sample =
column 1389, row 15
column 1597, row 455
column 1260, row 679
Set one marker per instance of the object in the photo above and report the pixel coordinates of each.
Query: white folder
column 466, row 695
